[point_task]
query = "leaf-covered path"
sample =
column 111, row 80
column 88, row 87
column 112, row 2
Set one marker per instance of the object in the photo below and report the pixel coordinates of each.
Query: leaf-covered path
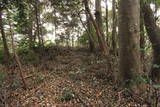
column 72, row 78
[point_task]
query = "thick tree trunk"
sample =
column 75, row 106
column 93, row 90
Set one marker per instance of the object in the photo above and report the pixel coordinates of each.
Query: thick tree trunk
column 129, row 34
column 100, row 35
column 5, row 46
column 114, row 25
column 154, row 36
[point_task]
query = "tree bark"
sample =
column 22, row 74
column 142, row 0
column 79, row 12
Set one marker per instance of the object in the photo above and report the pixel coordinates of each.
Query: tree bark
column 142, row 41
column 30, row 33
column 129, row 34
column 90, row 34
column 100, row 35
column 107, row 37
column 5, row 45
column 37, row 22
column 98, row 15
column 114, row 25
column 153, row 32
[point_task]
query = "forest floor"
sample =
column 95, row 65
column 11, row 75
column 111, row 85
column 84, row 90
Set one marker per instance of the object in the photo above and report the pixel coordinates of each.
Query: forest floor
column 66, row 78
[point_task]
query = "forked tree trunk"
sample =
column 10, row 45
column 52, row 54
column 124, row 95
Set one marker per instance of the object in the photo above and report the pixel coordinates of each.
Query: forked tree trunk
column 5, row 46
column 90, row 34
column 101, row 41
column 129, row 34
column 154, row 35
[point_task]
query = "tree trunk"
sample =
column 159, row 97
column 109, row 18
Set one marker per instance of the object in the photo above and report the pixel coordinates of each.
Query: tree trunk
column 154, row 36
column 98, row 15
column 90, row 33
column 5, row 46
column 37, row 23
column 16, row 56
column 107, row 37
column 129, row 30
column 100, row 35
column 30, row 33
column 114, row 25
column 142, row 41
column 41, row 31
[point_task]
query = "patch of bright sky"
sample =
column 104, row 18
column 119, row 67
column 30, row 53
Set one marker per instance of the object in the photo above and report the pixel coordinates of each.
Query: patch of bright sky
column 153, row 8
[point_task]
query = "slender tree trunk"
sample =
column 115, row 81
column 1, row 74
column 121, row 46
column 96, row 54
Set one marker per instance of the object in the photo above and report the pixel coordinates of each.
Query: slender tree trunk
column 37, row 23
column 72, row 41
column 100, row 35
column 55, row 23
column 30, row 33
column 90, row 34
column 17, row 57
column 114, row 20
column 5, row 46
column 78, row 36
column 91, row 38
column 98, row 15
column 40, row 30
column 153, row 32
column 142, row 41
column 107, row 37
column 129, row 28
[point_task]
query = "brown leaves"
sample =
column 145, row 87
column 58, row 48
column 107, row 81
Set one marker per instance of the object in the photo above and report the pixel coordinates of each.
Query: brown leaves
column 76, row 70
